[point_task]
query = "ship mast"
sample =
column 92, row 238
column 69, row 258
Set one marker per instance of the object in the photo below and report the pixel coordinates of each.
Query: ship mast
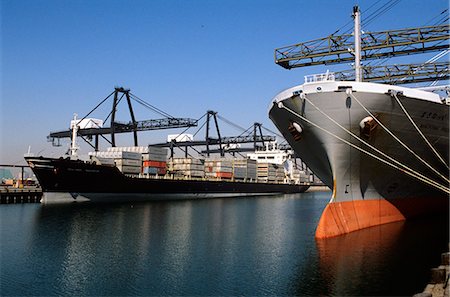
column 73, row 146
column 357, row 34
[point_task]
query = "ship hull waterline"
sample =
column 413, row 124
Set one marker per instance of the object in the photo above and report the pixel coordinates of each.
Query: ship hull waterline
column 64, row 180
column 366, row 191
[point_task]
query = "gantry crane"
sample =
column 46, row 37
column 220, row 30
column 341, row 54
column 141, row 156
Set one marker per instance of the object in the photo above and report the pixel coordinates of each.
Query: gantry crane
column 343, row 48
column 168, row 122
column 228, row 143
column 222, row 143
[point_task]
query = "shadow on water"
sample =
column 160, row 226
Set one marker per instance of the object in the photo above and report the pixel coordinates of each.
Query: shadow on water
column 388, row 260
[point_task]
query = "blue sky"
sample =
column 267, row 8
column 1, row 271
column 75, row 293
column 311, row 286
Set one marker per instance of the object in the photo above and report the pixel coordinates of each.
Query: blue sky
column 185, row 57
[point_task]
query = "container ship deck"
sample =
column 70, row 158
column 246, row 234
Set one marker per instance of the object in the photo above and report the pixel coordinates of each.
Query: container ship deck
column 122, row 175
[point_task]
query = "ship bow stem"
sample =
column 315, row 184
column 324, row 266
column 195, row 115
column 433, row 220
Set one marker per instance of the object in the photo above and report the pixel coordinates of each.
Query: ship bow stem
column 340, row 218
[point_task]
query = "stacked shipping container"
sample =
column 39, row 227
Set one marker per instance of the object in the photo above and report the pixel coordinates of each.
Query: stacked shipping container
column 152, row 161
column 300, row 176
column 187, row 167
column 244, row 169
column 279, row 174
column 155, row 161
column 267, row 172
column 219, row 168
column 127, row 162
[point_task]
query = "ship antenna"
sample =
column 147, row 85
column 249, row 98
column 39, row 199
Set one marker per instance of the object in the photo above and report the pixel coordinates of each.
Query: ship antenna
column 74, row 127
column 357, row 35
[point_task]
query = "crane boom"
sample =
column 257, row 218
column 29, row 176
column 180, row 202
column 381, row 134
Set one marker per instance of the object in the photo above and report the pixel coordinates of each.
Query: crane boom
column 374, row 45
column 167, row 123
column 400, row 74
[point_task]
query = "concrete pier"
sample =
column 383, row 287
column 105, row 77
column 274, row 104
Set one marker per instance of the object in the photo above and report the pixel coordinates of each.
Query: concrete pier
column 439, row 282
column 318, row 188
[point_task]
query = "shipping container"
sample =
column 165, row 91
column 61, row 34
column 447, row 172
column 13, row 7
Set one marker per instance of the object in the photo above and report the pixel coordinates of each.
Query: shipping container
column 129, row 169
column 128, row 162
column 154, row 170
column 155, row 157
column 157, row 150
column 102, row 161
column 218, row 169
column 225, row 175
column 152, row 163
column 189, row 173
column 134, row 149
column 118, row 155
column 186, row 161
column 186, row 167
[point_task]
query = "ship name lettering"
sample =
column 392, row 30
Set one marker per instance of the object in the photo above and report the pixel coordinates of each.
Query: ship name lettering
column 433, row 115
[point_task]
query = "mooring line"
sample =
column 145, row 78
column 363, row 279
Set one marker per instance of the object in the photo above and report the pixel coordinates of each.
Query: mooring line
column 408, row 171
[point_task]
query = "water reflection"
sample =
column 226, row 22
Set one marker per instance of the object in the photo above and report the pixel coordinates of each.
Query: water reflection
column 357, row 259
column 248, row 246
column 220, row 246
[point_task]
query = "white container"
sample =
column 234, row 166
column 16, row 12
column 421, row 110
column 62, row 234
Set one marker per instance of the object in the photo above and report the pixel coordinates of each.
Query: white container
column 134, row 149
column 117, row 155
column 128, row 162
column 186, row 167
column 129, row 169
column 102, row 161
column 157, row 150
column 186, row 161
column 156, row 157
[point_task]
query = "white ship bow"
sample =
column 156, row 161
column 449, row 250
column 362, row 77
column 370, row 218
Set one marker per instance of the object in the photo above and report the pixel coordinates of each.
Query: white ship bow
column 364, row 141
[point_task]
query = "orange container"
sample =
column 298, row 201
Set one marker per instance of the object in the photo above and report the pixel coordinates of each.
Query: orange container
column 224, row 174
column 151, row 163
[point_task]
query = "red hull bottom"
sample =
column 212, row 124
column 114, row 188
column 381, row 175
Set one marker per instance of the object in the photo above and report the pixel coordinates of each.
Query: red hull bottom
column 344, row 217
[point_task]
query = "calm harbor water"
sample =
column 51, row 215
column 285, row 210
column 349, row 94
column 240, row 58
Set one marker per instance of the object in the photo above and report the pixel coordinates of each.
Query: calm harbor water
column 246, row 246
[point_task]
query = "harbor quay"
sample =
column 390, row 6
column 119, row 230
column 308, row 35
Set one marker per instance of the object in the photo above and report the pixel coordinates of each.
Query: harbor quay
column 27, row 194
column 439, row 280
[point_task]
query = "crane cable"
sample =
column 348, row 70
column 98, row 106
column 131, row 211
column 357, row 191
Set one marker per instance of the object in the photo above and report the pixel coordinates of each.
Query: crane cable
column 149, row 106
column 231, row 123
column 97, row 106
column 114, row 107
column 441, row 21
column 386, row 7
